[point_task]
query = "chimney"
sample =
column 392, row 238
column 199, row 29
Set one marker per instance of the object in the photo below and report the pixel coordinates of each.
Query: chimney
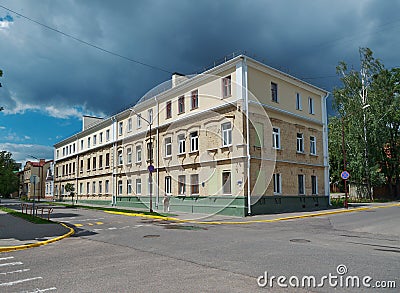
column 178, row 78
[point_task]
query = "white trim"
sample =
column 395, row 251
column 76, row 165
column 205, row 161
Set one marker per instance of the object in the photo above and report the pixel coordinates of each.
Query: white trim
column 325, row 147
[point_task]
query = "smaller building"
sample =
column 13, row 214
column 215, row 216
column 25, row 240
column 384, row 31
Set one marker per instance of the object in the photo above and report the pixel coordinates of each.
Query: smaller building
column 35, row 189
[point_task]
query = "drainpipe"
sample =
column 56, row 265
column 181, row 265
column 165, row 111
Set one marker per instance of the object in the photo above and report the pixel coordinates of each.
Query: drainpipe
column 325, row 147
column 246, row 97
column 158, row 157
column 114, row 129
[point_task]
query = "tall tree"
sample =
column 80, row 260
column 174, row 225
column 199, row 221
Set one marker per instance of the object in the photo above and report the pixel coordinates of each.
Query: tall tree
column 8, row 178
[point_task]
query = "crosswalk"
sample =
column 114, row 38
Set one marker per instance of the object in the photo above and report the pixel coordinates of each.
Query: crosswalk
column 14, row 275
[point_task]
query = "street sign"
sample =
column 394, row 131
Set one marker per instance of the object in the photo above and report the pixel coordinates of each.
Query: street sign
column 34, row 179
column 345, row 175
column 151, row 168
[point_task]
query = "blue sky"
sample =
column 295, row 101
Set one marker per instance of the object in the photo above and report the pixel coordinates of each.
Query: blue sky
column 50, row 80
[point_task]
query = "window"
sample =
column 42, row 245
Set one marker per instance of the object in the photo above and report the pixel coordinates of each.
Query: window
column 274, row 92
column 168, row 147
column 226, row 134
column 107, row 134
column 195, row 99
column 138, row 154
column 300, row 143
column 107, row 160
column 149, row 151
column 169, row 109
column 181, row 104
column 93, row 187
column 150, row 115
column 298, row 102
column 101, row 162
column 226, row 182
column 63, row 170
column 138, row 186
column 120, row 158
column 70, row 169
column 101, row 137
column 300, row 180
column 120, row 128
column 277, row 183
column 73, row 167
column 194, row 184
column 311, row 105
column 139, row 121
column 100, row 187
column 314, row 185
column 73, row 148
column 107, row 186
column 313, row 145
column 181, row 144
column 129, row 156
column 129, row 124
column 81, row 167
column 94, row 163
column 81, row 188
column 226, row 87
column 87, row 187
column 168, row 185
column 63, row 151
column 129, row 186
column 94, row 139
column 88, row 142
column 276, row 138
column 81, row 144
column 194, row 141
column 88, row 164
column 181, row 184
column 120, row 187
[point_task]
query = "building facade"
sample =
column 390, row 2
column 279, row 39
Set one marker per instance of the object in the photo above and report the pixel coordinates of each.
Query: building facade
column 34, row 189
column 241, row 138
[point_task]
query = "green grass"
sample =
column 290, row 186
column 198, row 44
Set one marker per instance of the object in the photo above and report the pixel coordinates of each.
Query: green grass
column 28, row 217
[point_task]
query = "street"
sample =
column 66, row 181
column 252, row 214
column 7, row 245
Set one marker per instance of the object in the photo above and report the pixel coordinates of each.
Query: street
column 117, row 253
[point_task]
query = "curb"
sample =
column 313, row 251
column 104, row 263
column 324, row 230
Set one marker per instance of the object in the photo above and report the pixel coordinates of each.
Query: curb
column 26, row 246
column 253, row 221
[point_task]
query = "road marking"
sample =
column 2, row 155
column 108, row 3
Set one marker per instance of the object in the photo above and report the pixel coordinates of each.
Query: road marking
column 85, row 220
column 13, row 272
column 8, row 257
column 19, row 281
column 11, row 264
column 97, row 230
column 78, row 225
column 90, row 224
column 99, row 223
column 37, row 290
column 112, row 228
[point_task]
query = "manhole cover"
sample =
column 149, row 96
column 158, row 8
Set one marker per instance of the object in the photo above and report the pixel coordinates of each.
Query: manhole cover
column 151, row 236
column 300, row 240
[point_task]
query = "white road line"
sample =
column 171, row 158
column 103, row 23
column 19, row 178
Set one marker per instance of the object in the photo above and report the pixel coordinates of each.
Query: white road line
column 37, row 290
column 18, row 271
column 98, row 229
column 112, row 228
column 10, row 264
column 8, row 257
column 19, row 281
column 85, row 220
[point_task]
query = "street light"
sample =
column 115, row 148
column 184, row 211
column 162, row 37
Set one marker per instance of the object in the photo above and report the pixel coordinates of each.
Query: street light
column 150, row 168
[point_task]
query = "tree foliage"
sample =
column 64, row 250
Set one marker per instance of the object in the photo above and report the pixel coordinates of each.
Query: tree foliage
column 8, row 178
column 368, row 107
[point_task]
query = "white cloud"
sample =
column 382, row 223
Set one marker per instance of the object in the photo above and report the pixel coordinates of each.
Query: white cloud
column 22, row 152
column 2, row 127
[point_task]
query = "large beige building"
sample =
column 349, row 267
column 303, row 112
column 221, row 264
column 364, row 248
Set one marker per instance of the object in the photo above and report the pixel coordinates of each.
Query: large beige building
column 241, row 138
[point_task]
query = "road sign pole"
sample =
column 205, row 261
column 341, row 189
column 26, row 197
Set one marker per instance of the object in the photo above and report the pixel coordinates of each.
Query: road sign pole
column 34, row 194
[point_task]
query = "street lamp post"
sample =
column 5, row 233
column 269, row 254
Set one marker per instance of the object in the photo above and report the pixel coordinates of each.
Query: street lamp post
column 346, row 203
column 150, row 167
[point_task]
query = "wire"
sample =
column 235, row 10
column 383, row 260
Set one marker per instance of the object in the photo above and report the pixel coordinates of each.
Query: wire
column 85, row 42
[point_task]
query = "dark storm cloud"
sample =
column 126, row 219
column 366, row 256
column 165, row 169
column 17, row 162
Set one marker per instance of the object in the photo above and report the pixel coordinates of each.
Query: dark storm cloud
column 307, row 38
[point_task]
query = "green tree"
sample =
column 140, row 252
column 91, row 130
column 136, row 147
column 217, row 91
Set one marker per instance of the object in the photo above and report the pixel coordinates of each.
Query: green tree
column 69, row 188
column 8, row 178
column 367, row 103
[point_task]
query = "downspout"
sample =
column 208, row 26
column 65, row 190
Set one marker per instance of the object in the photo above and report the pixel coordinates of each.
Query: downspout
column 246, row 96
column 114, row 128
column 76, row 171
column 325, row 147
column 158, row 157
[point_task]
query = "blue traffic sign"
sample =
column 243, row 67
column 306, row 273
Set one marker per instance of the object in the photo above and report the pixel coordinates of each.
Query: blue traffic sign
column 345, row 175
column 151, row 168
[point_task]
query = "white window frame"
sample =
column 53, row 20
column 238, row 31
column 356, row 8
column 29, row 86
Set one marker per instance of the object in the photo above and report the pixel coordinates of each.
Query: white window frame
column 120, row 187
column 129, row 155
column 277, row 180
column 168, row 146
column 107, row 134
column 276, row 138
column 226, row 129
column 100, row 137
column 138, row 153
column 130, row 124
column 181, row 184
column 168, row 185
column 181, row 144
column 100, row 187
column 87, row 187
column 120, row 128
column 194, row 141
column 311, row 109
column 300, row 142
column 94, row 140
column 150, row 115
column 129, row 186
column 299, row 105
column 138, row 186
column 227, row 86
column 120, row 158
column 139, row 121
column 88, row 142
column 313, row 145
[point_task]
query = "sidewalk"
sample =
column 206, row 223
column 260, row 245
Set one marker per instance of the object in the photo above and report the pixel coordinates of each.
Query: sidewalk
column 17, row 233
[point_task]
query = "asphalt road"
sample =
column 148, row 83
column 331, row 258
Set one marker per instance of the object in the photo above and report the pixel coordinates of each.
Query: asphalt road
column 114, row 253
